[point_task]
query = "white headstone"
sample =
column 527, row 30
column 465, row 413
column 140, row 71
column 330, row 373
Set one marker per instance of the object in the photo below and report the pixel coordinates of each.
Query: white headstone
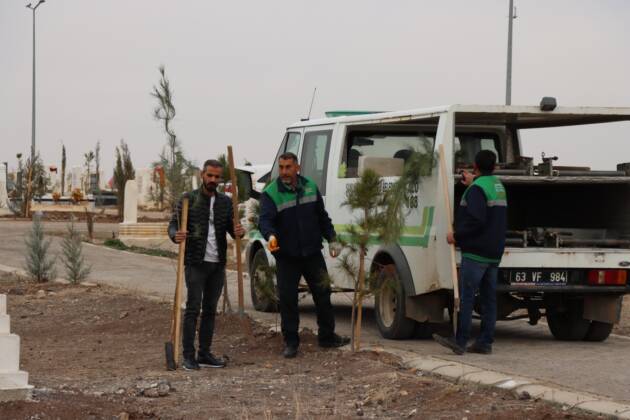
column 143, row 178
column 131, row 202
column 13, row 381
column 195, row 182
column 76, row 177
column 4, row 198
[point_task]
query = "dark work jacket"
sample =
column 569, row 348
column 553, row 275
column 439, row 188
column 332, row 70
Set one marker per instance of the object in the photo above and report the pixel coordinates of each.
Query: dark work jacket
column 198, row 221
column 481, row 221
column 300, row 222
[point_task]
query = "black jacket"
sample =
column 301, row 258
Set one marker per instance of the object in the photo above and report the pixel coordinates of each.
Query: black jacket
column 300, row 228
column 198, row 220
column 480, row 227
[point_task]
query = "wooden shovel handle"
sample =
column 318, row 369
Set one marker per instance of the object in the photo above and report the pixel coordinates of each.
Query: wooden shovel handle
column 449, row 227
column 237, row 239
column 178, row 286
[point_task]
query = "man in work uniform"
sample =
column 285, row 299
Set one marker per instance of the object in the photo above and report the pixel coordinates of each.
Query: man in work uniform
column 293, row 220
column 480, row 229
column 209, row 220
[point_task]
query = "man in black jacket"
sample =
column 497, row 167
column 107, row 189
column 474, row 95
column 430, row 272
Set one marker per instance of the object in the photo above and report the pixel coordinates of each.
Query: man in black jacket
column 480, row 229
column 293, row 220
column 209, row 220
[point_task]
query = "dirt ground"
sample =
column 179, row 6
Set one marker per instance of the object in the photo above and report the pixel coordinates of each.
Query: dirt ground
column 95, row 352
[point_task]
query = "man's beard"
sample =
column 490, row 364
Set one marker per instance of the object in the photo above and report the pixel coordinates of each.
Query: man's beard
column 211, row 187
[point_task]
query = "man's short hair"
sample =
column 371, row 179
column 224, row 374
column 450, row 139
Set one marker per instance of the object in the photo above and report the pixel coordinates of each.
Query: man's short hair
column 289, row 155
column 212, row 162
column 485, row 161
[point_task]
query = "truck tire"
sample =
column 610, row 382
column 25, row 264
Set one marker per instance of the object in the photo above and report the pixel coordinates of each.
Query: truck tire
column 568, row 325
column 598, row 331
column 263, row 301
column 389, row 305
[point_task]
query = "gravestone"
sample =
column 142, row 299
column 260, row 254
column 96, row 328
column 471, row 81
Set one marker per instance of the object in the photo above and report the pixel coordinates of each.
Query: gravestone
column 13, row 382
column 76, row 176
column 131, row 202
column 145, row 181
column 4, row 198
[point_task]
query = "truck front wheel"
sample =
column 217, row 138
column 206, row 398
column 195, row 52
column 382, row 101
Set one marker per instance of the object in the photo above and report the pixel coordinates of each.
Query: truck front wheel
column 262, row 284
column 390, row 307
column 566, row 322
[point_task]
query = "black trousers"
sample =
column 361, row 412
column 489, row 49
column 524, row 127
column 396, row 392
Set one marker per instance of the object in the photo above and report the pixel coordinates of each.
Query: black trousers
column 289, row 272
column 205, row 283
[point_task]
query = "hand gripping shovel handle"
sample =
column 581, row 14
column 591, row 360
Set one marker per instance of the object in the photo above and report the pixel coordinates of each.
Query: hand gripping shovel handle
column 172, row 347
column 449, row 224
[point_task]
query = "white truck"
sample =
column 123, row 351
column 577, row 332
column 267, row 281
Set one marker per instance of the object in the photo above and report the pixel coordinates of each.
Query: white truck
column 568, row 247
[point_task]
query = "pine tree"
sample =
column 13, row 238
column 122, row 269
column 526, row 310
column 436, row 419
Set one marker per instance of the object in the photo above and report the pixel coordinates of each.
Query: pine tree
column 177, row 169
column 381, row 218
column 38, row 263
column 72, row 256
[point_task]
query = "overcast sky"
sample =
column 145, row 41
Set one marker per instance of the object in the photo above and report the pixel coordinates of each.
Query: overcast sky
column 244, row 70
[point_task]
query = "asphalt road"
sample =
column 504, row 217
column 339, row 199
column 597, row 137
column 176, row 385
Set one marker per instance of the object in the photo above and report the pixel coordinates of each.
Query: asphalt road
column 520, row 349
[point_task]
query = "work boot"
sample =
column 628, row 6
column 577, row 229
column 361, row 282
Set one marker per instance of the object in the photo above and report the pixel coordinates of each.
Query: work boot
column 207, row 359
column 190, row 364
column 290, row 351
column 479, row 348
column 449, row 343
column 334, row 341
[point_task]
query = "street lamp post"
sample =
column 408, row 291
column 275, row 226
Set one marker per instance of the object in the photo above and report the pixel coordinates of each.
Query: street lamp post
column 33, row 8
column 508, row 78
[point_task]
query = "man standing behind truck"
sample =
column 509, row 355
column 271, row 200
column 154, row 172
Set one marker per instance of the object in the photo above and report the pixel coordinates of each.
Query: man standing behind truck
column 480, row 229
column 293, row 220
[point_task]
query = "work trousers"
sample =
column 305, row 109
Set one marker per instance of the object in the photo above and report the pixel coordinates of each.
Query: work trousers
column 477, row 277
column 205, row 283
column 289, row 272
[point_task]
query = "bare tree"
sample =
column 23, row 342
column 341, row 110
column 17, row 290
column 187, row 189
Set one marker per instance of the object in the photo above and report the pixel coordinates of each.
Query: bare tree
column 97, row 161
column 63, row 169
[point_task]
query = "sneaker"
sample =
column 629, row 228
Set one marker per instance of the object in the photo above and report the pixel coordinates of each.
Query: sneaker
column 290, row 351
column 208, row 360
column 335, row 341
column 479, row 348
column 449, row 343
column 190, row 364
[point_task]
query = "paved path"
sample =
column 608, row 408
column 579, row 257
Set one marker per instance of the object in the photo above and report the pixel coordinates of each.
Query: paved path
column 599, row 368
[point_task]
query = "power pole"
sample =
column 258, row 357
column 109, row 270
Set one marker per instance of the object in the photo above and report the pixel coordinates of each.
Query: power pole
column 508, row 79
column 33, row 8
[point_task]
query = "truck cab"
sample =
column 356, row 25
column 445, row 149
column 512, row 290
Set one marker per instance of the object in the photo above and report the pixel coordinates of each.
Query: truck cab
column 568, row 244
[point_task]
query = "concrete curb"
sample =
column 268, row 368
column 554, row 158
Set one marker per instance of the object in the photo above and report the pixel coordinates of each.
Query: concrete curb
column 521, row 386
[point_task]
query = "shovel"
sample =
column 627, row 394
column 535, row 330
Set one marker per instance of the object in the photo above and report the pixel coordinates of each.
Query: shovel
column 171, row 347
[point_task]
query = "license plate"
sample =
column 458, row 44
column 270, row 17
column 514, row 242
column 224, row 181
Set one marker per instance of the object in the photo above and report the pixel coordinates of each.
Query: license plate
column 539, row 278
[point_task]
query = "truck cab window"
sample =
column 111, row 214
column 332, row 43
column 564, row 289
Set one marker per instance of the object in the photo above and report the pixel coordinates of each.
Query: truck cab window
column 467, row 145
column 385, row 152
column 290, row 143
column 314, row 162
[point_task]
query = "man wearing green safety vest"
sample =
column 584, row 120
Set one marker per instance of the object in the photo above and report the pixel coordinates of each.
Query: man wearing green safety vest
column 480, row 229
column 293, row 220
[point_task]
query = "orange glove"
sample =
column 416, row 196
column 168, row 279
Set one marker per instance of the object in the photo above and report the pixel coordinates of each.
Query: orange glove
column 273, row 244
